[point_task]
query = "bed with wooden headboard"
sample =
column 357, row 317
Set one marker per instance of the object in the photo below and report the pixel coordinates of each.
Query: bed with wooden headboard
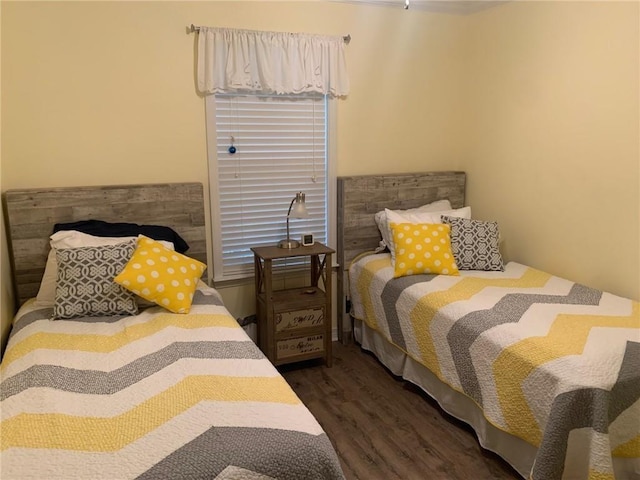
column 32, row 213
column 157, row 392
column 545, row 370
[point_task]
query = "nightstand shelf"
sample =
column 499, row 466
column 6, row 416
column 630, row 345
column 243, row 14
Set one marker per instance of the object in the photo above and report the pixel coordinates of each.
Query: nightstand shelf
column 294, row 324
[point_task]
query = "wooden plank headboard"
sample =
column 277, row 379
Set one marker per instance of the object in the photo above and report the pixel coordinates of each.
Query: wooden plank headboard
column 360, row 197
column 32, row 213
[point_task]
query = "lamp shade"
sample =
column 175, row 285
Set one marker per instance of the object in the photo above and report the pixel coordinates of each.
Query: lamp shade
column 299, row 209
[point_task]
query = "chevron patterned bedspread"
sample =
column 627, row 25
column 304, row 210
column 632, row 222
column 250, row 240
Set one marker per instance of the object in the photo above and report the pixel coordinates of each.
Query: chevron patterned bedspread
column 152, row 396
column 550, row 361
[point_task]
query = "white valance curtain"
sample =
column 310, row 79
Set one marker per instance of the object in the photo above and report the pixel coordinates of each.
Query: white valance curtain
column 234, row 61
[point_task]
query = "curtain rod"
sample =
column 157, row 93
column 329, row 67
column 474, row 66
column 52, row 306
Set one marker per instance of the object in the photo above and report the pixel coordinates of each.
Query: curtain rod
column 195, row 28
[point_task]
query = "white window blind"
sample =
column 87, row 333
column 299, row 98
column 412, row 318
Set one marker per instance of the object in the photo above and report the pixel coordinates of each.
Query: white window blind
column 280, row 149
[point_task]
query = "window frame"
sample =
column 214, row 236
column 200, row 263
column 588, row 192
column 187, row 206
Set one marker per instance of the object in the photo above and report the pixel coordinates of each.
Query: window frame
column 218, row 278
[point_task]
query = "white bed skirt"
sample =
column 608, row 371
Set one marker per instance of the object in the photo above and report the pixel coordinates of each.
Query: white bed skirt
column 518, row 453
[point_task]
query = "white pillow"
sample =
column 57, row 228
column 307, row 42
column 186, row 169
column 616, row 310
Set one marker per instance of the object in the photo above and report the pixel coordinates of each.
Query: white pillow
column 70, row 239
column 381, row 216
column 418, row 217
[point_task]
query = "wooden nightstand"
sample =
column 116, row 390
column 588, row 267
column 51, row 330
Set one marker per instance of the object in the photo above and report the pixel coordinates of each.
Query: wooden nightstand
column 294, row 324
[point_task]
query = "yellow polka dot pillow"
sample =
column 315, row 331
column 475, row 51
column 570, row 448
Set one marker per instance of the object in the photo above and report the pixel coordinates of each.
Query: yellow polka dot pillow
column 423, row 248
column 161, row 275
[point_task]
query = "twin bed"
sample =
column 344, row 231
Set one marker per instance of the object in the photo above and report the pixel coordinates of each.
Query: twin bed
column 155, row 394
column 545, row 370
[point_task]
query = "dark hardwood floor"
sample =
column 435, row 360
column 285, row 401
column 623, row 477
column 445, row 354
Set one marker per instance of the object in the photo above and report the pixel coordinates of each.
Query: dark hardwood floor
column 385, row 428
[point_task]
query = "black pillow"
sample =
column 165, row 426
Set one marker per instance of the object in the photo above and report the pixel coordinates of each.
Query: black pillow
column 100, row 228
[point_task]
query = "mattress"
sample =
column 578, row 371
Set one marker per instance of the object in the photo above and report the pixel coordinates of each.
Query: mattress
column 156, row 395
column 551, row 363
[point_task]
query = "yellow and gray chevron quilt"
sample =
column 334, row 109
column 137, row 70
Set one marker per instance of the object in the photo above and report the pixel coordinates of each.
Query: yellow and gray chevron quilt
column 152, row 396
column 552, row 362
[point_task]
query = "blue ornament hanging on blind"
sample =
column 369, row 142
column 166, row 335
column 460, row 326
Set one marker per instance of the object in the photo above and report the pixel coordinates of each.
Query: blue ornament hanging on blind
column 232, row 149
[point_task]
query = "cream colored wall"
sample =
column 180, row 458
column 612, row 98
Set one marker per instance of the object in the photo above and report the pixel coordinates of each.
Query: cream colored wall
column 552, row 136
column 6, row 287
column 106, row 89
column 103, row 92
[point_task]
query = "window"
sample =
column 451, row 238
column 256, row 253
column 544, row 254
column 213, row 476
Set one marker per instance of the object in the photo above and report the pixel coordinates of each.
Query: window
column 281, row 147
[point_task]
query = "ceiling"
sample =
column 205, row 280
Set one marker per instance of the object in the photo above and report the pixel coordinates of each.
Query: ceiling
column 456, row 7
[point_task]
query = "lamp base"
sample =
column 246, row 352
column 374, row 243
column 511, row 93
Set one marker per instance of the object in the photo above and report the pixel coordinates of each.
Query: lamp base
column 288, row 243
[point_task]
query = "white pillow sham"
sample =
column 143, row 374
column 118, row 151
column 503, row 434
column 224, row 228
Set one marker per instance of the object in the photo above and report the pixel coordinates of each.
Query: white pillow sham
column 419, row 217
column 438, row 205
column 71, row 239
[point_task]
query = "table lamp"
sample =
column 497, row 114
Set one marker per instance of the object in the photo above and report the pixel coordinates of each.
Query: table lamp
column 297, row 209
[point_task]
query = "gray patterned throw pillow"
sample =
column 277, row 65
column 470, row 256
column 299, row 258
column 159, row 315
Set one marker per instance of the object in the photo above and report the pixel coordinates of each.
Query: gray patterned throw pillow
column 85, row 286
column 474, row 244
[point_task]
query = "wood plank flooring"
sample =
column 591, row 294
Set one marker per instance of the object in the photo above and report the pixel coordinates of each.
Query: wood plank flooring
column 385, row 428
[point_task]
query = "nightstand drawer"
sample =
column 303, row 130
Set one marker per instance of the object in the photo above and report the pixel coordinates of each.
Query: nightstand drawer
column 299, row 346
column 297, row 319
